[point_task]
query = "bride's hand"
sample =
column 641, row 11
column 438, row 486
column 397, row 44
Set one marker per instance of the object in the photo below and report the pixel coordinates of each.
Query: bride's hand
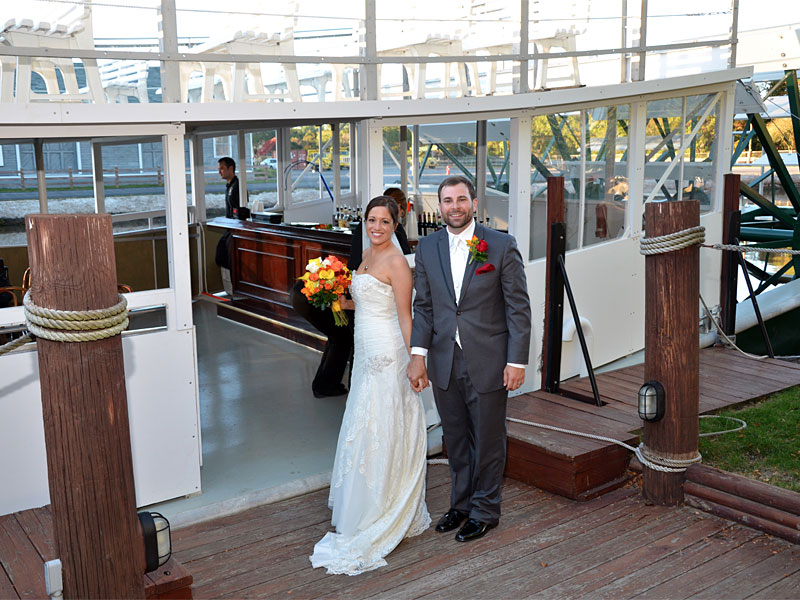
column 346, row 303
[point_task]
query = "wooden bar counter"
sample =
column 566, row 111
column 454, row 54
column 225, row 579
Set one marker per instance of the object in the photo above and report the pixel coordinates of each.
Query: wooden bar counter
column 266, row 261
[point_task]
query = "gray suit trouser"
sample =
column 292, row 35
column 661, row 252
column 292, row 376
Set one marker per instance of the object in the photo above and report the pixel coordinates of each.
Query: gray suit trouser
column 474, row 428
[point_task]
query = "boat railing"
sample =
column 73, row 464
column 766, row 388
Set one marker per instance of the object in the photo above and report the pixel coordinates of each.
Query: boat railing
column 480, row 51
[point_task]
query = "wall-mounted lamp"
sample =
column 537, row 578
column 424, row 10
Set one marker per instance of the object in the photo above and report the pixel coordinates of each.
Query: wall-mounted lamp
column 651, row 401
column 157, row 542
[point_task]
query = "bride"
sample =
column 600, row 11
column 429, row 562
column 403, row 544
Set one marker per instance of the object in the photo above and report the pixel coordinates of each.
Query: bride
column 378, row 481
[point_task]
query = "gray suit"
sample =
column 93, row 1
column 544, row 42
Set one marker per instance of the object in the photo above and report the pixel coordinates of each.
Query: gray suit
column 494, row 321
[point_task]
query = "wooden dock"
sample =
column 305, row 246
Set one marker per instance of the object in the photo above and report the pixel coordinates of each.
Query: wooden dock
column 546, row 546
column 580, row 468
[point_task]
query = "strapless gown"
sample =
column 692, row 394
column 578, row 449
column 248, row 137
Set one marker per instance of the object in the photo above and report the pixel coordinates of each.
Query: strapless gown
column 378, row 482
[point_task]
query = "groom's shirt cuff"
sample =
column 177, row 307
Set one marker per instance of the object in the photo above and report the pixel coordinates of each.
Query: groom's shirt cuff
column 419, row 351
column 513, row 365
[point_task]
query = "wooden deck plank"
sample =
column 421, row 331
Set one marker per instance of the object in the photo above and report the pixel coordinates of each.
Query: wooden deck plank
column 754, row 578
column 764, row 372
column 474, row 573
column 657, row 548
column 695, row 580
column 7, row 590
column 38, row 526
column 549, row 566
column 428, row 544
column 784, row 589
column 672, row 566
column 249, row 566
column 714, row 398
column 624, row 416
column 302, row 579
column 536, row 406
column 20, row 559
column 446, row 556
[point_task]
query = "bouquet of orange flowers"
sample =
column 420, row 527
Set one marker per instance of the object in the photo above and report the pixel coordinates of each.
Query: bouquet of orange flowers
column 325, row 280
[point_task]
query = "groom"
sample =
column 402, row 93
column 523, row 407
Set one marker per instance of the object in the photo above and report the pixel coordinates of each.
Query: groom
column 472, row 319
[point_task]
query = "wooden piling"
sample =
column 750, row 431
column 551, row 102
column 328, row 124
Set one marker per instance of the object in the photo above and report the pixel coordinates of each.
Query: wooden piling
column 89, row 464
column 672, row 355
column 731, row 217
column 554, row 287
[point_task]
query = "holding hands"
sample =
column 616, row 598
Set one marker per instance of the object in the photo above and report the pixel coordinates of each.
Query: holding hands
column 417, row 373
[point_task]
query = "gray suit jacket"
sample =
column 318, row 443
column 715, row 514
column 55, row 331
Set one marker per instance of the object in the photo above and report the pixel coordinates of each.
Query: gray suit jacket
column 493, row 314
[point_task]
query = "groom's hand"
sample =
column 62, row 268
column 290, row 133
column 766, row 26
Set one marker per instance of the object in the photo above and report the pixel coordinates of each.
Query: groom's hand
column 417, row 372
column 513, row 377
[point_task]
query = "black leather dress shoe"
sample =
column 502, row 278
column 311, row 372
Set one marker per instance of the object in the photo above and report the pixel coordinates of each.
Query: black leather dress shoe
column 451, row 519
column 472, row 530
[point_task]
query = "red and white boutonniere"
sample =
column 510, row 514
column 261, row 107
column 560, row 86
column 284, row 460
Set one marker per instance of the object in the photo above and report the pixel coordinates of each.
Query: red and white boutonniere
column 477, row 249
column 487, row 268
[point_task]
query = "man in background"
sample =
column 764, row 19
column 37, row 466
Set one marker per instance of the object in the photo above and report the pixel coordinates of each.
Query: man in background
column 227, row 170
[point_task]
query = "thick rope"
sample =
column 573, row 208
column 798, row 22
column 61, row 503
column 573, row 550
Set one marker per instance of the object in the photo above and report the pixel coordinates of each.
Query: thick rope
column 743, row 249
column 14, row 344
column 70, row 325
column 725, row 337
column 672, row 241
column 75, row 325
column 646, row 456
column 710, row 433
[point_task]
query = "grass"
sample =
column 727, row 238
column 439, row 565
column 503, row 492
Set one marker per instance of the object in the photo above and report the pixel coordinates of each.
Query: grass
column 768, row 449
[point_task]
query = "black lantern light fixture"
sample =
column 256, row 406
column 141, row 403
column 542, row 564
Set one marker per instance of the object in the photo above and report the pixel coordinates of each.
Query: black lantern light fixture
column 157, row 542
column 651, row 402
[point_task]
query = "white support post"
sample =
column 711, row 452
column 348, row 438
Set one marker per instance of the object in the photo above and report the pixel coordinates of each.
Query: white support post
column 336, row 164
column 638, row 70
column 177, row 228
column 415, row 167
column 734, row 33
column 624, row 59
column 97, row 179
column 168, row 44
column 636, row 164
column 370, row 149
column 404, row 159
column 480, row 169
column 41, row 181
column 198, row 178
column 724, row 145
column 582, row 174
column 284, row 159
column 368, row 74
column 522, row 86
column 519, row 178
column 241, row 159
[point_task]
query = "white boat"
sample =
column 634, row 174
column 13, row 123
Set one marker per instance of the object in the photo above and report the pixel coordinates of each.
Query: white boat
column 471, row 93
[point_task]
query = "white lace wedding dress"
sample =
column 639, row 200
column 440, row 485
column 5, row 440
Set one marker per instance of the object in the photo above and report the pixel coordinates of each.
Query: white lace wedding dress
column 378, row 481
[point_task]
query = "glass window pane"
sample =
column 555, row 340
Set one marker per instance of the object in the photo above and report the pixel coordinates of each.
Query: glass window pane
column 555, row 151
column 699, row 153
column 606, row 178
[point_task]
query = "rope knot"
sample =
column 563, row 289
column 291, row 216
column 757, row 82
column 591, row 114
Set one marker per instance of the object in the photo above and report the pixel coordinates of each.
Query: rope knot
column 672, row 241
column 75, row 325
